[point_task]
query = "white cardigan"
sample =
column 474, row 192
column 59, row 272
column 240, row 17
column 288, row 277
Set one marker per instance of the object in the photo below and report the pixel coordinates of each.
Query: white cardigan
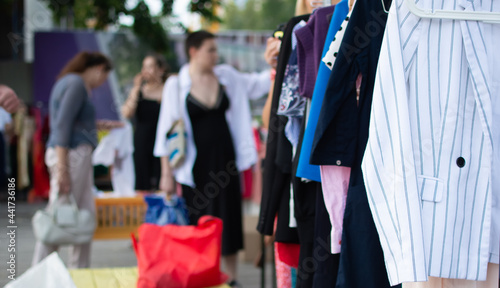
column 239, row 87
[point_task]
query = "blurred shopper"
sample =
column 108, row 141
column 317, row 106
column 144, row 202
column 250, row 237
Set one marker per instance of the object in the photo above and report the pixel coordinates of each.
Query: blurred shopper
column 212, row 101
column 303, row 7
column 271, row 56
column 9, row 103
column 72, row 139
column 144, row 103
column 5, row 124
column 8, row 99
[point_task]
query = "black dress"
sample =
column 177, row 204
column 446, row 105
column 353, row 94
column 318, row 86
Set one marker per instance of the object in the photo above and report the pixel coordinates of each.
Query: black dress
column 147, row 167
column 218, row 190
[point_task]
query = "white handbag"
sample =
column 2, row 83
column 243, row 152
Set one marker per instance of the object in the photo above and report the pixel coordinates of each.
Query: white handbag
column 176, row 138
column 64, row 224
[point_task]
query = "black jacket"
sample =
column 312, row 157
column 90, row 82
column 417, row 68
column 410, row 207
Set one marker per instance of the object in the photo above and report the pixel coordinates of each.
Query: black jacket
column 278, row 162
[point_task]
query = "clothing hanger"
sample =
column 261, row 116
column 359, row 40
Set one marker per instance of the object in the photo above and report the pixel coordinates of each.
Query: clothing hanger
column 490, row 17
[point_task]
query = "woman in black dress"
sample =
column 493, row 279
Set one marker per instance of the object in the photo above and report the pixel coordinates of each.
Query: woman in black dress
column 215, row 151
column 212, row 100
column 144, row 103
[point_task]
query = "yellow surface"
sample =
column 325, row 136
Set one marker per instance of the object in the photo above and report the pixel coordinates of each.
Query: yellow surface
column 118, row 217
column 109, row 278
column 101, row 134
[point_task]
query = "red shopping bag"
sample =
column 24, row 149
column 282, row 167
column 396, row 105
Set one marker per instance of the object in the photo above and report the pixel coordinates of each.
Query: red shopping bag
column 174, row 256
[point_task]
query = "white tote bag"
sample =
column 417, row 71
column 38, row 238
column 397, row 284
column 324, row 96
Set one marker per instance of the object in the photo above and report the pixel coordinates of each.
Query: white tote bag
column 49, row 273
column 64, row 224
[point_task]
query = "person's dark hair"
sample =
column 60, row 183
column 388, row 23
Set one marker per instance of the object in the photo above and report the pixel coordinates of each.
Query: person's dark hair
column 196, row 39
column 161, row 63
column 84, row 60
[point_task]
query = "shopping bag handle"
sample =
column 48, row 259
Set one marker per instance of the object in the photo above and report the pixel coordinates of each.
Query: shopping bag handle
column 134, row 243
column 71, row 198
column 72, row 202
column 205, row 219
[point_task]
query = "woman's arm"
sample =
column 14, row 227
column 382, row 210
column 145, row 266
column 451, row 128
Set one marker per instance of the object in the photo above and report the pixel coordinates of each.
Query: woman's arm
column 250, row 85
column 74, row 97
column 62, row 166
column 108, row 124
column 255, row 85
column 266, row 111
column 130, row 105
column 167, row 183
column 8, row 99
column 169, row 112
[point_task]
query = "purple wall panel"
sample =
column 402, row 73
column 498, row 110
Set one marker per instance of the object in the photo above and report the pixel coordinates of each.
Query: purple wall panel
column 52, row 51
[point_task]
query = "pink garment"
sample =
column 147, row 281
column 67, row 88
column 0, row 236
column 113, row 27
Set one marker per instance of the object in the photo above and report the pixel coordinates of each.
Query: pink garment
column 286, row 274
column 335, row 182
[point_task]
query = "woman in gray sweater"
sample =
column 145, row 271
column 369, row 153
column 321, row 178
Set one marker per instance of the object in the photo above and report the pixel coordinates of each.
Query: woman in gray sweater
column 73, row 137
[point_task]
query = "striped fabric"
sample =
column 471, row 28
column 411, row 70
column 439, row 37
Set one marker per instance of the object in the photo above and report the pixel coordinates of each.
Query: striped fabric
column 428, row 161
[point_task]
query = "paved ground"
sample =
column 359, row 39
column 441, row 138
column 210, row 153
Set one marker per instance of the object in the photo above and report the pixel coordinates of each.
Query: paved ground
column 109, row 253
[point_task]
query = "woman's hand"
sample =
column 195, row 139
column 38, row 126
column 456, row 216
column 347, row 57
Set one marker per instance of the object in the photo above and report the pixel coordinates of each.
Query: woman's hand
column 8, row 99
column 167, row 184
column 64, row 181
column 128, row 108
column 272, row 50
column 138, row 81
column 268, row 240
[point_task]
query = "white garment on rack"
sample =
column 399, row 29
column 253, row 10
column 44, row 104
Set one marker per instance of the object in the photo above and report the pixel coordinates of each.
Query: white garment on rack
column 428, row 162
column 117, row 149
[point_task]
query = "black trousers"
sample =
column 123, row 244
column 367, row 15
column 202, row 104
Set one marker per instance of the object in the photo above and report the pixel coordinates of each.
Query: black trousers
column 361, row 258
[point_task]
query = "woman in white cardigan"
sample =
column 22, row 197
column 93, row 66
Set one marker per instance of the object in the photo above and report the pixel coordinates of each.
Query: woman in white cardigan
column 212, row 100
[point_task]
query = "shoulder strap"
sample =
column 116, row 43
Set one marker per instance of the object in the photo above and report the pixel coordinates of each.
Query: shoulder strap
column 179, row 97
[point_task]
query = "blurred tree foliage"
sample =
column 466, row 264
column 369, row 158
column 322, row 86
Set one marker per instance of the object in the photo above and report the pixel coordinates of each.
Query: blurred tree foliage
column 107, row 12
column 99, row 14
column 206, row 8
column 258, row 14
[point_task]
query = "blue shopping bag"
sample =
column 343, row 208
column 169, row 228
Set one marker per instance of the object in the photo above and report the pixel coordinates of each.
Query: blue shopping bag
column 162, row 211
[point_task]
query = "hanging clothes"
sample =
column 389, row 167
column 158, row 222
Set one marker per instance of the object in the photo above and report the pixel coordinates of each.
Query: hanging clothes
column 330, row 203
column 433, row 133
column 286, row 275
column 277, row 164
column 41, row 180
column 24, row 127
column 335, row 179
column 304, row 169
column 286, row 256
column 341, row 136
column 310, row 42
column 291, row 103
column 117, row 149
column 333, row 199
column 304, row 195
column 325, row 274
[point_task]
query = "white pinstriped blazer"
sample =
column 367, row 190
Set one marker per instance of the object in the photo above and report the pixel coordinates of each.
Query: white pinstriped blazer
column 433, row 144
